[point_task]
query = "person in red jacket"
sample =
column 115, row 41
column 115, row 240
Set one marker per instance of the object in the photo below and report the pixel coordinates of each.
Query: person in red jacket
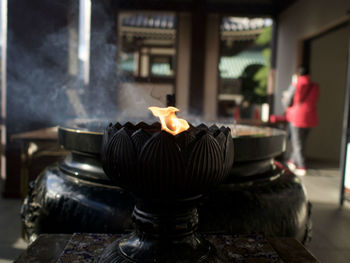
column 302, row 116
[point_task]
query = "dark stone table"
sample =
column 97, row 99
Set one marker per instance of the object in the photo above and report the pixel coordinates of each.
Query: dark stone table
column 86, row 248
column 45, row 142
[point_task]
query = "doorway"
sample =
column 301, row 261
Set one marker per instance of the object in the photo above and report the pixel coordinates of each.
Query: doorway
column 326, row 55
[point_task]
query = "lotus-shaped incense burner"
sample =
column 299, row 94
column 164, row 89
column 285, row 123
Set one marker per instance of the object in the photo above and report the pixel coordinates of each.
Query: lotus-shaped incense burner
column 167, row 174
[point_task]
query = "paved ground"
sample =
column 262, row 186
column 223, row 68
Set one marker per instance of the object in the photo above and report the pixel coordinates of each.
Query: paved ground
column 11, row 245
column 331, row 224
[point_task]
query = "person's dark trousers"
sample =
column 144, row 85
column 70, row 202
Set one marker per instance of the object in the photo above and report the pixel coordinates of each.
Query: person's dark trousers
column 298, row 139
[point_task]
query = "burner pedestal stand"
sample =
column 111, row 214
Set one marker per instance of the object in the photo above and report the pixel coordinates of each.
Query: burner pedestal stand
column 165, row 231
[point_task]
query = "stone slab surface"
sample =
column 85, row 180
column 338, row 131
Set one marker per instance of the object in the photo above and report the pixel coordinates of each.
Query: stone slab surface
column 87, row 248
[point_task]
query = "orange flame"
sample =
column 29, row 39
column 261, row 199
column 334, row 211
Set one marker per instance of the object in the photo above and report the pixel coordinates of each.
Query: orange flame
column 170, row 123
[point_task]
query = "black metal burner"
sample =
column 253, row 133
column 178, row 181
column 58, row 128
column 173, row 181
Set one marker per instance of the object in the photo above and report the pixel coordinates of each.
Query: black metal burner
column 167, row 174
column 164, row 232
column 75, row 195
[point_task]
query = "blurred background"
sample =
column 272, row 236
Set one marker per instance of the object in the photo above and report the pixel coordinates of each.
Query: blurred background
column 225, row 60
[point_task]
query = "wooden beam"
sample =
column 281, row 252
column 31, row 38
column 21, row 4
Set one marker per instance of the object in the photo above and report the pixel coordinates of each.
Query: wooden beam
column 249, row 8
column 329, row 27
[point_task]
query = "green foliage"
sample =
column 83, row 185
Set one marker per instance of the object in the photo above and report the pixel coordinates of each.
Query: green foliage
column 267, row 53
column 252, row 88
column 261, row 78
column 265, row 37
column 261, row 75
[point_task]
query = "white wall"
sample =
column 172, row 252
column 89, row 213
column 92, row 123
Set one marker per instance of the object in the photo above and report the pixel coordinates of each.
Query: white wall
column 135, row 98
column 303, row 18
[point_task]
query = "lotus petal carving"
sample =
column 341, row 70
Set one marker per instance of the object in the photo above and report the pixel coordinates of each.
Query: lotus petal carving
column 161, row 164
column 139, row 138
column 120, row 157
column 154, row 163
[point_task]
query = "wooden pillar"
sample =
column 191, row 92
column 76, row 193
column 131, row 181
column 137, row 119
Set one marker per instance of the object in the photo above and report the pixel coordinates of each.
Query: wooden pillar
column 84, row 40
column 211, row 66
column 345, row 143
column 196, row 96
column 272, row 73
column 183, row 61
column 3, row 83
